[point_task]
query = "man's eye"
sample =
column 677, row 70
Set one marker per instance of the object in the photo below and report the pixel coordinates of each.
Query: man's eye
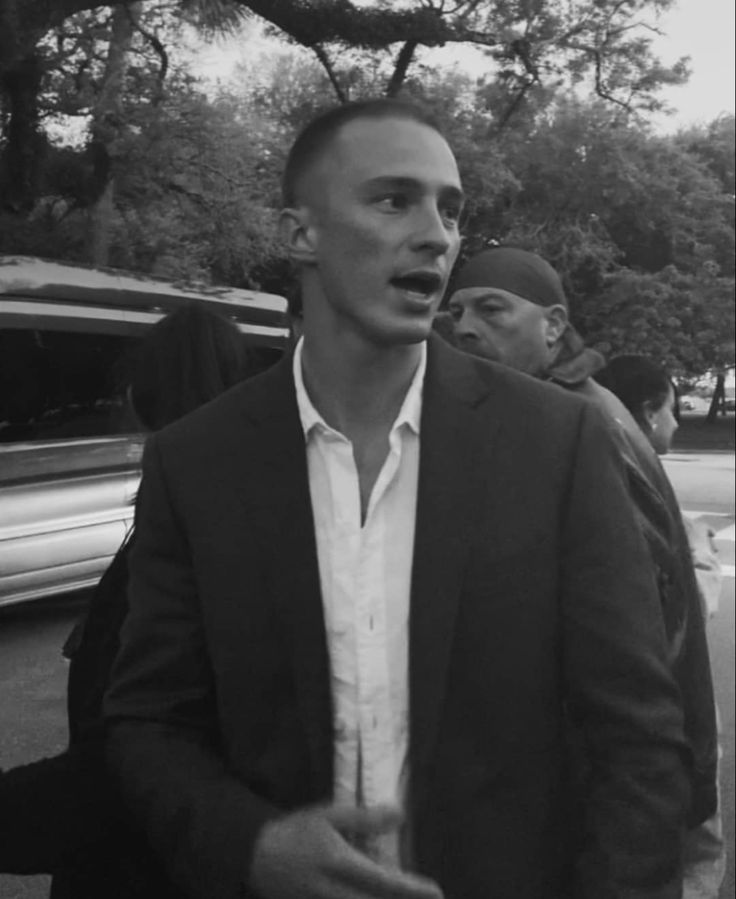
column 452, row 213
column 455, row 312
column 490, row 309
column 392, row 202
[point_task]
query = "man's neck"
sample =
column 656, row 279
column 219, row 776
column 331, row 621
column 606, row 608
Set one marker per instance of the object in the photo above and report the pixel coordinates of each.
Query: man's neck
column 358, row 388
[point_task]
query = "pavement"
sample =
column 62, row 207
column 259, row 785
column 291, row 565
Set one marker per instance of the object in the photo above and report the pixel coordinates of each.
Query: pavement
column 705, row 484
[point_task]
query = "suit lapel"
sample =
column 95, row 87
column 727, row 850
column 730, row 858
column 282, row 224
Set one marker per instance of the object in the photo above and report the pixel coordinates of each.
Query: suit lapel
column 452, row 473
column 281, row 514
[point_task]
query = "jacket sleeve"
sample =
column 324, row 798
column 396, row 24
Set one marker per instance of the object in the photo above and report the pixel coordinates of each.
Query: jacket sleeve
column 55, row 810
column 163, row 744
column 620, row 693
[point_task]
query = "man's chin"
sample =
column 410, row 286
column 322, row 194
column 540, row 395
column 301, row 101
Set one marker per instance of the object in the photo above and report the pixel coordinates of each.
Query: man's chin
column 406, row 331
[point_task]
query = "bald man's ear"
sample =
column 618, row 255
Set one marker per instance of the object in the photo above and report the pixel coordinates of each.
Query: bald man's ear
column 557, row 321
column 298, row 234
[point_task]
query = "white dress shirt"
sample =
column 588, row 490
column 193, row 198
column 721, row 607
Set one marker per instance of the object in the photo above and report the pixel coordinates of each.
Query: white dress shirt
column 365, row 575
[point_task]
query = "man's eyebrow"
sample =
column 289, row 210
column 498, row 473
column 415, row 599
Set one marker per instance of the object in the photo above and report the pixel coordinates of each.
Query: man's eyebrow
column 405, row 182
column 454, row 193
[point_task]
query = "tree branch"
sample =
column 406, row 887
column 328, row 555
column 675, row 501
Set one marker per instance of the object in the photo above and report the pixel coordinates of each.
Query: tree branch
column 160, row 50
column 403, row 61
column 324, row 59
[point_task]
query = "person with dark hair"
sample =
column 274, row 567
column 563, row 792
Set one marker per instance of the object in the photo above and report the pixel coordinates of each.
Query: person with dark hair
column 187, row 359
column 61, row 815
column 509, row 306
column 369, row 585
column 648, row 392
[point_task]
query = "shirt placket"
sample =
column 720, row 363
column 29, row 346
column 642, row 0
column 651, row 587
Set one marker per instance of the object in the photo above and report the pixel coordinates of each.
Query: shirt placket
column 378, row 752
column 344, row 553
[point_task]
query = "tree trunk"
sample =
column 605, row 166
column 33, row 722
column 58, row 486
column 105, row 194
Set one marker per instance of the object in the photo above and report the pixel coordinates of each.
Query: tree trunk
column 22, row 159
column 107, row 127
column 718, row 401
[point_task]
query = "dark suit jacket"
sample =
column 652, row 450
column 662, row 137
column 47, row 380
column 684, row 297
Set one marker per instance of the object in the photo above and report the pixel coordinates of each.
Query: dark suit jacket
column 532, row 602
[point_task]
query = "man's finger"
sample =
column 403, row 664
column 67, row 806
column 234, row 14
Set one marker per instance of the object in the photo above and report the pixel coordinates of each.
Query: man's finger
column 352, row 820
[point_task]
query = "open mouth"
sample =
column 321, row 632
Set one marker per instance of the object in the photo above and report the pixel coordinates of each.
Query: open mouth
column 422, row 284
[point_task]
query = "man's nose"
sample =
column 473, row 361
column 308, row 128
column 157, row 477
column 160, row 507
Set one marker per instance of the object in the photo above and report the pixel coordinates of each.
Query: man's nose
column 433, row 232
column 464, row 326
column 464, row 329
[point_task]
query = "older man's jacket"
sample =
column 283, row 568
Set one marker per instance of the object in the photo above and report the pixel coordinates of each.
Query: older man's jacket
column 532, row 603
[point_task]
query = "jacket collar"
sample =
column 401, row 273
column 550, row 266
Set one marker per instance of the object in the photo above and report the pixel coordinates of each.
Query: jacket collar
column 574, row 362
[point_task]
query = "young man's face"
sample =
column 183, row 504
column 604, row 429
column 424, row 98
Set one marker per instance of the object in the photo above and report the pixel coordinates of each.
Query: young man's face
column 383, row 210
column 503, row 327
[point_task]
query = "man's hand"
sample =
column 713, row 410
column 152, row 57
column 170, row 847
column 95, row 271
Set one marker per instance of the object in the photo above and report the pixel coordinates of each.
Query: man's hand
column 306, row 855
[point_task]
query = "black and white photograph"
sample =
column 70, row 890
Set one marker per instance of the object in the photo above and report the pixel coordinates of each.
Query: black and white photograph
column 367, row 449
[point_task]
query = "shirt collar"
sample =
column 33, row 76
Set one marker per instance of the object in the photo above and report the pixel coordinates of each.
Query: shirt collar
column 411, row 409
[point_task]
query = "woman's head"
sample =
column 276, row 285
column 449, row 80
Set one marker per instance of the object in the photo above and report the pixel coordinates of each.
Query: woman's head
column 187, row 359
column 647, row 392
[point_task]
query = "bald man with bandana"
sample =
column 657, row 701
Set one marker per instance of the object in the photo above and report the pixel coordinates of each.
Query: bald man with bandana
column 509, row 307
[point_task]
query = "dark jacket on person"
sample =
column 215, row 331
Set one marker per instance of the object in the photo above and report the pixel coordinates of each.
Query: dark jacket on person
column 659, row 516
column 62, row 815
column 532, row 597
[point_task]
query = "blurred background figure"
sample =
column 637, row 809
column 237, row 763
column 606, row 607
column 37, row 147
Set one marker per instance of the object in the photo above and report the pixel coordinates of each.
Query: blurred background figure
column 648, row 392
column 61, row 815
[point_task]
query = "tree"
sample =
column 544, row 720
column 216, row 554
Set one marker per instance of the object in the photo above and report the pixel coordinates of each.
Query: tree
column 718, row 400
column 106, row 126
column 637, row 224
column 530, row 47
column 528, row 44
column 32, row 38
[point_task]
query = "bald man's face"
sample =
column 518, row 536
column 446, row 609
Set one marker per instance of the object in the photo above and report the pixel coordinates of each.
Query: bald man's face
column 503, row 327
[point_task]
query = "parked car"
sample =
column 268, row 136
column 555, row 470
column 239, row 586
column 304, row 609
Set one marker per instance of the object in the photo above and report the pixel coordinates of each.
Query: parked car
column 69, row 449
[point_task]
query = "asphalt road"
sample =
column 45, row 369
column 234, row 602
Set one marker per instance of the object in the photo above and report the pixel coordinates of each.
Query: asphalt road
column 33, row 673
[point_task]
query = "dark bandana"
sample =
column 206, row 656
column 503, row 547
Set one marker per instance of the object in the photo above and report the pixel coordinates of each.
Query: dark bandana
column 517, row 271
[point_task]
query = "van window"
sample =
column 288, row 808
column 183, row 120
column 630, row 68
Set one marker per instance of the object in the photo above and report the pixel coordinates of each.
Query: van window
column 62, row 384
column 57, row 385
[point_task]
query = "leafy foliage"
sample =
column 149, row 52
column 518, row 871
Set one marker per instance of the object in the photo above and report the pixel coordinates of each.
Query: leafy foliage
column 641, row 227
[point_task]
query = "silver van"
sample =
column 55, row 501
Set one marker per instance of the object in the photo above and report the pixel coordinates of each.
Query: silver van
column 69, row 451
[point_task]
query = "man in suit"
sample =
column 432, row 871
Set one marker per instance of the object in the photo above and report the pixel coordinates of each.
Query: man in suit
column 371, row 586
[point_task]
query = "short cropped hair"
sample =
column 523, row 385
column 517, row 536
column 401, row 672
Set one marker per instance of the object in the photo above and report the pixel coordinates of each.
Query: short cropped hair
column 316, row 137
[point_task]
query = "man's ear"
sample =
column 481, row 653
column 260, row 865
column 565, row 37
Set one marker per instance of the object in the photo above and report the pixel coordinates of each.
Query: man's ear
column 557, row 321
column 650, row 415
column 298, row 234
